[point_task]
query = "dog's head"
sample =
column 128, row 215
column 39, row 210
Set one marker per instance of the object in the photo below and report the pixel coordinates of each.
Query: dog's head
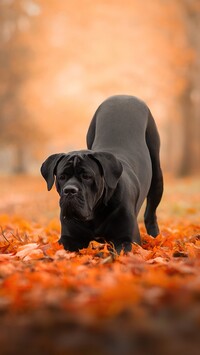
column 83, row 179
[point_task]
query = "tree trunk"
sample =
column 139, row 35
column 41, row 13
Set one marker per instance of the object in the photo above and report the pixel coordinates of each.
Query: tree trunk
column 190, row 99
column 20, row 161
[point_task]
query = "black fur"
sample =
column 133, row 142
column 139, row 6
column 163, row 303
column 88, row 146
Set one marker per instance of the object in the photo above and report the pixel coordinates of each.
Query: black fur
column 102, row 189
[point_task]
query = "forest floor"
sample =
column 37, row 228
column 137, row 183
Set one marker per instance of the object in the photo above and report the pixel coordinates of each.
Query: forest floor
column 94, row 301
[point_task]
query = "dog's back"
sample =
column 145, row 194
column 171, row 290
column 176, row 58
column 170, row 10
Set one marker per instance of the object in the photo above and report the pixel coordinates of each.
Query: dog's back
column 118, row 124
column 119, row 127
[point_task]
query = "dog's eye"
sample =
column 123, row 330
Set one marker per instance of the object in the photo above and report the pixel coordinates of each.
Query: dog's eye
column 63, row 177
column 86, row 176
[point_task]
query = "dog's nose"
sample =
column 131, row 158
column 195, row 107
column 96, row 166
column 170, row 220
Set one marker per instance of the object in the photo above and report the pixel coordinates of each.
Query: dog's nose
column 70, row 189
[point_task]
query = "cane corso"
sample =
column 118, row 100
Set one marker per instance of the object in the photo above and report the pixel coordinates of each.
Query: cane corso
column 102, row 188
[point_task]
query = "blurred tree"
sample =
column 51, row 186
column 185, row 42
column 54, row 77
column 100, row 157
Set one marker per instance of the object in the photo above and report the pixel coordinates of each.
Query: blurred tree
column 17, row 126
column 190, row 97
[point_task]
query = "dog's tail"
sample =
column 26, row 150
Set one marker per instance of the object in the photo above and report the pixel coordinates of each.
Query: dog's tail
column 91, row 132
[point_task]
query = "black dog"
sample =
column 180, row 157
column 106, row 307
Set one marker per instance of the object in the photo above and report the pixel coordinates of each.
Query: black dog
column 102, row 189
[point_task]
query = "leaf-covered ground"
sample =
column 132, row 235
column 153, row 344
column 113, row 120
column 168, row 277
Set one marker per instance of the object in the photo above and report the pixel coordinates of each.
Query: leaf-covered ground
column 96, row 302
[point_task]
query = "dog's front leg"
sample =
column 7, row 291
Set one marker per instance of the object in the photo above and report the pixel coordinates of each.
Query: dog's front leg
column 74, row 236
column 126, row 233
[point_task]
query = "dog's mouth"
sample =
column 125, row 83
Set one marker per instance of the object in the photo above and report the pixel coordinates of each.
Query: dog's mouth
column 74, row 208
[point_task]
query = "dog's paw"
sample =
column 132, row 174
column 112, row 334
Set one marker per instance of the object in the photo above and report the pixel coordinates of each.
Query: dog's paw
column 68, row 244
column 151, row 226
column 126, row 247
column 153, row 230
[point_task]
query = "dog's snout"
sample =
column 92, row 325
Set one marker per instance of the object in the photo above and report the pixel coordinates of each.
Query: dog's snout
column 70, row 189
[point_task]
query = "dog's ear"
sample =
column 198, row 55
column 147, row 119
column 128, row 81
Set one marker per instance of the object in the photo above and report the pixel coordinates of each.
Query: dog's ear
column 110, row 166
column 48, row 168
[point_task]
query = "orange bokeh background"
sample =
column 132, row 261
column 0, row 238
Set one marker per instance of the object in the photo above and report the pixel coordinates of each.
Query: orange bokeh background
column 62, row 59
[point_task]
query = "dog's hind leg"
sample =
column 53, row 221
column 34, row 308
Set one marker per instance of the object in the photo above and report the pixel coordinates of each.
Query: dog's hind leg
column 156, row 188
